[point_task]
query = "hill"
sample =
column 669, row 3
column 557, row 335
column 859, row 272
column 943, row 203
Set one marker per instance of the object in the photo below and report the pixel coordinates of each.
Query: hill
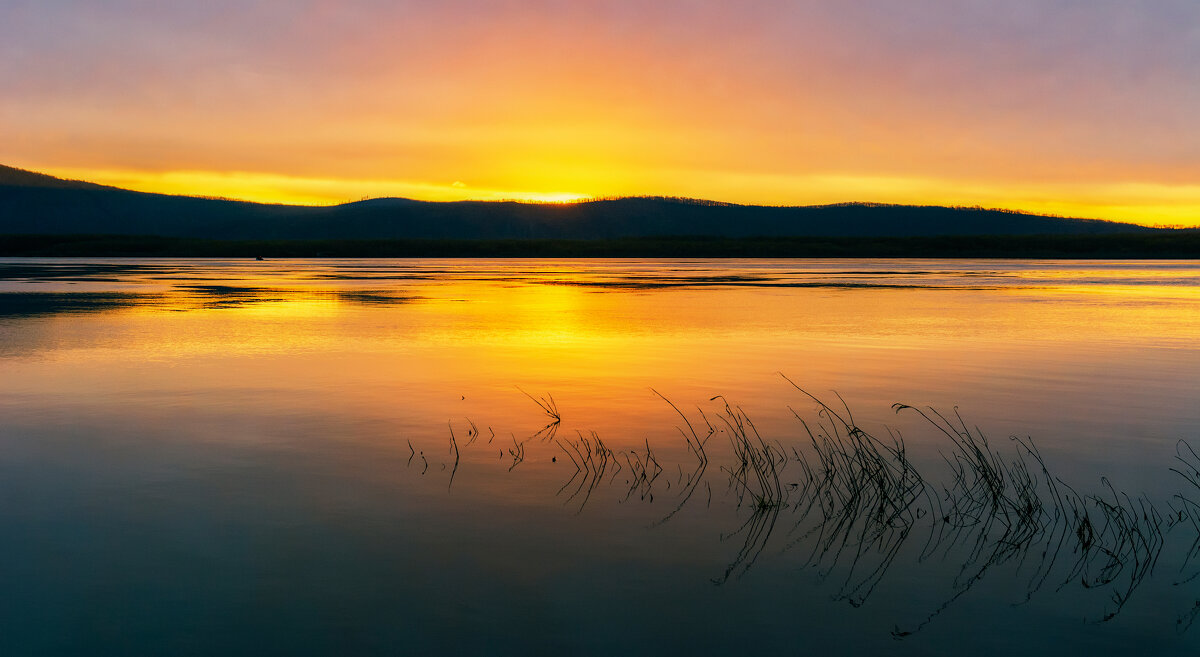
column 12, row 177
column 36, row 204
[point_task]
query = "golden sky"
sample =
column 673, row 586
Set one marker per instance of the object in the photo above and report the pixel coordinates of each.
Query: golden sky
column 1060, row 106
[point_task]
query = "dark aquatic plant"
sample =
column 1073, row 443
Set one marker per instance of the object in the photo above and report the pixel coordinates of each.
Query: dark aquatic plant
column 858, row 500
column 594, row 460
column 695, row 446
column 1189, row 512
column 547, row 405
column 455, row 452
column 754, row 478
column 854, row 501
column 517, row 452
column 1189, row 470
column 645, row 471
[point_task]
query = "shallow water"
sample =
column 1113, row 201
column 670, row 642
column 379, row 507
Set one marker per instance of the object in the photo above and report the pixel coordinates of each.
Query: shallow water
column 303, row 457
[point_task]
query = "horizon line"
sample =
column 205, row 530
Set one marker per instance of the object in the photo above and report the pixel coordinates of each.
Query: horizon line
column 581, row 199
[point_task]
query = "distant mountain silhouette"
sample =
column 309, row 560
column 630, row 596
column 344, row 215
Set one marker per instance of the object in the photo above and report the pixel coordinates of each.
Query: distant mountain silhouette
column 32, row 203
column 12, row 177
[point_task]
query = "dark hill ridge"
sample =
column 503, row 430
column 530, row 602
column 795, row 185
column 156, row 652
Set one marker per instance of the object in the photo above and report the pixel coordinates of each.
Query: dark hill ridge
column 32, row 203
column 12, row 177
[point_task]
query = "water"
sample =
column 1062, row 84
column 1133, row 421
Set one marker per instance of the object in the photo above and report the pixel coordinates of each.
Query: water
column 238, row 457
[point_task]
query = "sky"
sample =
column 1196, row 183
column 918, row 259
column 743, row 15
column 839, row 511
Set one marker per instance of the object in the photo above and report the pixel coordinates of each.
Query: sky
column 1074, row 107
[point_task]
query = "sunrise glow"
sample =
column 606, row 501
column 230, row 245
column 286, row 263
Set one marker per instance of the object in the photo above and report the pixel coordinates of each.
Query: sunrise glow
column 1038, row 106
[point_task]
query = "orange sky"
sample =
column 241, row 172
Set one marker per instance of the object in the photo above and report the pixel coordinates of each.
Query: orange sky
column 1084, row 109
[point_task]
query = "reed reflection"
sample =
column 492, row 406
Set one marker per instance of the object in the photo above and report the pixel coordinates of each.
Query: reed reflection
column 854, row 506
column 381, row 398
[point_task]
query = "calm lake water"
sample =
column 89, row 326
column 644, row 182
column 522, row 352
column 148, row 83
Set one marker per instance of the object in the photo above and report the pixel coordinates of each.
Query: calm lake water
column 599, row 457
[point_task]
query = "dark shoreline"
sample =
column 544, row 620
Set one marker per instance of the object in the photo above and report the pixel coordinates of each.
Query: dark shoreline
column 1171, row 245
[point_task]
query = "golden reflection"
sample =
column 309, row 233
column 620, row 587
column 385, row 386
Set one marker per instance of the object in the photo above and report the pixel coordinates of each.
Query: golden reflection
column 459, row 342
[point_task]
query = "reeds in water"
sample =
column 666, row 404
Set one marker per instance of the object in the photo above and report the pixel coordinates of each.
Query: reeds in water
column 855, row 502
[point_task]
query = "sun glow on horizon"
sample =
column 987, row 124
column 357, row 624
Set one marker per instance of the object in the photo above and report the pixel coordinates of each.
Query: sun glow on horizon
column 1024, row 105
column 291, row 190
column 1138, row 203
